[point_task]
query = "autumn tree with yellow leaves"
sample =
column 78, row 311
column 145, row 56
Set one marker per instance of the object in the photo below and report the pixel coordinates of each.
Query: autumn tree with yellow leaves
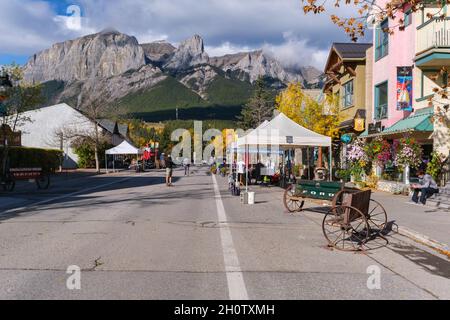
column 319, row 116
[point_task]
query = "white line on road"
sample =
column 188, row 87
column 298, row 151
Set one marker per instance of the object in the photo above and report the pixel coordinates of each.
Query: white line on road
column 236, row 285
column 65, row 196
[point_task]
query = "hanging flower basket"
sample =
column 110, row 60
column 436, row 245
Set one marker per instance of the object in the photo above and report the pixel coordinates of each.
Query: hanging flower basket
column 379, row 151
column 408, row 153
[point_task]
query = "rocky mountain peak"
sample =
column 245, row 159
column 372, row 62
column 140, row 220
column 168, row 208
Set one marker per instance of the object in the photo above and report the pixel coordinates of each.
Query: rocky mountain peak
column 158, row 51
column 190, row 52
column 101, row 55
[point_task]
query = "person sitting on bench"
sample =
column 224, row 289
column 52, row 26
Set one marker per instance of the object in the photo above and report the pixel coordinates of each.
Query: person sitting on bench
column 428, row 187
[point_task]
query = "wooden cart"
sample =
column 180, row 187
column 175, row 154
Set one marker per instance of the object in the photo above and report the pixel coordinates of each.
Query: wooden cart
column 41, row 178
column 353, row 217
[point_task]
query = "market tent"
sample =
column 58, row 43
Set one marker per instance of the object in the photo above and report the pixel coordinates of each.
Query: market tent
column 125, row 148
column 285, row 133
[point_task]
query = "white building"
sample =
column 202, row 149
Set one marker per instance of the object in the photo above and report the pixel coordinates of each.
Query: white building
column 49, row 128
column 46, row 125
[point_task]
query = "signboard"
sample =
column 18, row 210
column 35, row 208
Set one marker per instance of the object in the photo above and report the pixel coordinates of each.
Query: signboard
column 289, row 139
column 375, row 128
column 405, row 88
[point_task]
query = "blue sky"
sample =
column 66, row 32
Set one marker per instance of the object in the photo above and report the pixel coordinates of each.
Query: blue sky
column 227, row 26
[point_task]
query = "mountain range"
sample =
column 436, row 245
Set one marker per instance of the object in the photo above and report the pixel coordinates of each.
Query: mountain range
column 151, row 80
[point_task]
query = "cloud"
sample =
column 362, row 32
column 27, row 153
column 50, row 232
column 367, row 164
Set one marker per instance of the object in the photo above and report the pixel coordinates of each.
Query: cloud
column 293, row 52
column 226, row 48
column 227, row 26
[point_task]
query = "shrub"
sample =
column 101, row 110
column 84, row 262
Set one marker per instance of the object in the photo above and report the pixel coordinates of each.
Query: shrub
column 21, row 157
column 434, row 167
column 86, row 154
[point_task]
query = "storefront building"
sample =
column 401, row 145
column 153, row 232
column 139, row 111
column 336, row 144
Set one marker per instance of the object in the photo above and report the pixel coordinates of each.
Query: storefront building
column 403, row 75
column 346, row 80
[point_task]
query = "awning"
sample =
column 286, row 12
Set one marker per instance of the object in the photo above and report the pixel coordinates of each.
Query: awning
column 420, row 121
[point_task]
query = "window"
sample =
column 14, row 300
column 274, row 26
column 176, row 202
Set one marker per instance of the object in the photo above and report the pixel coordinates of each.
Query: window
column 381, row 101
column 347, row 95
column 382, row 40
column 408, row 18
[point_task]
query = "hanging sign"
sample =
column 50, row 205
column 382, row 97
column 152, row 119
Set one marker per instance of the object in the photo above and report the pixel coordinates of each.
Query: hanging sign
column 360, row 124
column 405, row 88
column 346, row 138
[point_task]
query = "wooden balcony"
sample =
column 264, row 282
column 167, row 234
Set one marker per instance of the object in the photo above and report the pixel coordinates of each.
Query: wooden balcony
column 433, row 44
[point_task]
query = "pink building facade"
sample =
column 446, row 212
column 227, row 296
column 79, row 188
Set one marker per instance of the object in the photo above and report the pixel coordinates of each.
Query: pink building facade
column 390, row 53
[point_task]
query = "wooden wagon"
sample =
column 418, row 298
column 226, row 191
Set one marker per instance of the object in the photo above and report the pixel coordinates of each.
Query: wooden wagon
column 353, row 217
column 37, row 175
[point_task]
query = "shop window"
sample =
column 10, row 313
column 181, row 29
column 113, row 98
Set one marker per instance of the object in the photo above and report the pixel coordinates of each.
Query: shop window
column 381, row 101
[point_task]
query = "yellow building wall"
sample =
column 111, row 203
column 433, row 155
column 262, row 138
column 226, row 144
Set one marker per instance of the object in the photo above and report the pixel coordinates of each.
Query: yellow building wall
column 369, row 86
column 359, row 92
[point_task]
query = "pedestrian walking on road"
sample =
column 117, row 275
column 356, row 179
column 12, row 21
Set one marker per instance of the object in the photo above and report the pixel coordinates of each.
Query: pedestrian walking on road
column 169, row 171
column 187, row 165
column 428, row 187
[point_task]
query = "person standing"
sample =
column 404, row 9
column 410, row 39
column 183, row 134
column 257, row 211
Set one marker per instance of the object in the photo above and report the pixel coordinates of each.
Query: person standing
column 186, row 165
column 169, row 170
column 427, row 188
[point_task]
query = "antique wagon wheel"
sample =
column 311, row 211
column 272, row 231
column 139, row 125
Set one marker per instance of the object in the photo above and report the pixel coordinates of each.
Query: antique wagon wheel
column 346, row 228
column 43, row 181
column 377, row 216
column 337, row 200
column 9, row 183
column 292, row 202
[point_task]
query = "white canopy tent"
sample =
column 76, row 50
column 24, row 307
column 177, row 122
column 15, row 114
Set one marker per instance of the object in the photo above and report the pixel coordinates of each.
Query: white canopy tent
column 125, row 148
column 284, row 133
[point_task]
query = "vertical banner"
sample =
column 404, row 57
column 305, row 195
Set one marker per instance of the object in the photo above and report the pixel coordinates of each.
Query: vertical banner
column 405, row 88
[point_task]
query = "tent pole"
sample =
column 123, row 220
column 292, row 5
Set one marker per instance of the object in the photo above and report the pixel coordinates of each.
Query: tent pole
column 309, row 163
column 247, row 158
column 331, row 163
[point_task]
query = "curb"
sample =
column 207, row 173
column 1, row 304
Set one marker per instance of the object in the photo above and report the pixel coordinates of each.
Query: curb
column 420, row 238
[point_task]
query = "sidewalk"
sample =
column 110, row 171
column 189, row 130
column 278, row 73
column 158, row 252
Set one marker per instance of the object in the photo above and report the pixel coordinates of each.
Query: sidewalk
column 429, row 222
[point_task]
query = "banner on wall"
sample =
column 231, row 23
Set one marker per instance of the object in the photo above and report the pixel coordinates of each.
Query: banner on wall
column 405, row 88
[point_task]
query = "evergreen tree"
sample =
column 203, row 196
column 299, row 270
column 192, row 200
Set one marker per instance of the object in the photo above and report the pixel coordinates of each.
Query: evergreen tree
column 259, row 108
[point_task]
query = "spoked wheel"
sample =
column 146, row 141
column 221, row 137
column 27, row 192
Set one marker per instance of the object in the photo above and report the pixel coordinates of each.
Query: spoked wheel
column 377, row 216
column 346, row 228
column 43, row 182
column 8, row 184
column 291, row 201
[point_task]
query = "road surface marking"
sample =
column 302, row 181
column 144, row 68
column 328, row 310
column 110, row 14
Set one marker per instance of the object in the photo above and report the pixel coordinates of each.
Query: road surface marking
column 235, row 278
column 65, row 196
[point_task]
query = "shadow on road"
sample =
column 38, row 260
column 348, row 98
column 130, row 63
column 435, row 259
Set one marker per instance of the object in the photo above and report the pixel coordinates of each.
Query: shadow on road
column 60, row 197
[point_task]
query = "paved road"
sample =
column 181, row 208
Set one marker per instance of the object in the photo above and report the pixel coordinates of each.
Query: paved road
column 134, row 238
